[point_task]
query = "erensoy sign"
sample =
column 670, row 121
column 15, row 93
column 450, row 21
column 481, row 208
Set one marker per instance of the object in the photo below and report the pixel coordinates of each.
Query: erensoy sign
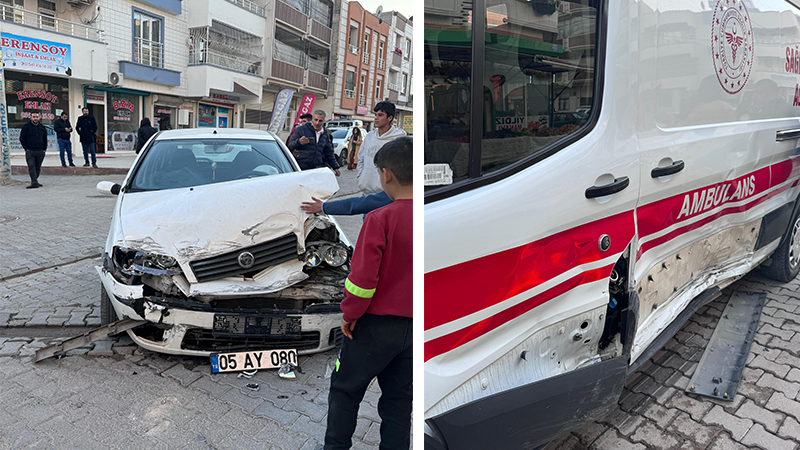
column 35, row 55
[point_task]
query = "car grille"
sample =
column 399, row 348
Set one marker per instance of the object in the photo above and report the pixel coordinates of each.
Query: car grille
column 203, row 340
column 268, row 254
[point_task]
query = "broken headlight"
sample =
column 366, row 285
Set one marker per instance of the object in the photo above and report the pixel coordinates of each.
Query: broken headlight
column 334, row 255
column 132, row 262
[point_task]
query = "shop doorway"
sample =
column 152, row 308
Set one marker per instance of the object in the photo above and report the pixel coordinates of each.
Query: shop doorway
column 97, row 112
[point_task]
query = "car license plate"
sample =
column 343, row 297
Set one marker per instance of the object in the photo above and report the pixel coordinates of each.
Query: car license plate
column 236, row 324
column 264, row 359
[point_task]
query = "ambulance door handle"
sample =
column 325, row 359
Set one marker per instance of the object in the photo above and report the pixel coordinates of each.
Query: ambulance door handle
column 608, row 189
column 787, row 135
column 675, row 167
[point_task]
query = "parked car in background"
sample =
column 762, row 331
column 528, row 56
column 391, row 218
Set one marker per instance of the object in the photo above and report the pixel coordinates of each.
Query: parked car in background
column 343, row 123
column 209, row 246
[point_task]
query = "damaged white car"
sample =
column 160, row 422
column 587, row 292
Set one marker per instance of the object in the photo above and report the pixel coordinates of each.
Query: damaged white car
column 209, row 246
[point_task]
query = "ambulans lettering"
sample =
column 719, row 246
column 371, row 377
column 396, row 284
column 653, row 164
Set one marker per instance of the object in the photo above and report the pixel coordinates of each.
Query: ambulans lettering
column 714, row 196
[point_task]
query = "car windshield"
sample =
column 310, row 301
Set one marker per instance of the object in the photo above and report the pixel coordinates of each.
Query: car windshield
column 339, row 133
column 173, row 164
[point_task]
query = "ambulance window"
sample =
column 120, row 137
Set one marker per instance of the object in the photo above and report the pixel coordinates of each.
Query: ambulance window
column 448, row 67
column 537, row 85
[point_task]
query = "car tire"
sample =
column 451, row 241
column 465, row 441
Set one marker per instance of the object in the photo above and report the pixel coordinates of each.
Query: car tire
column 786, row 259
column 343, row 158
column 107, row 313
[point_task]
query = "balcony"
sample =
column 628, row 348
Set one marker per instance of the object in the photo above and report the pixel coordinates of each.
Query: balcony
column 288, row 72
column 365, row 58
column 393, row 87
column 362, row 99
column 316, row 80
column 250, row 6
column 226, row 61
column 148, row 52
column 49, row 23
column 320, row 32
column 393, row 96
column 353, row 49
column 349, row 93
column 381, row 64
column 291, row 17
column 397, row 59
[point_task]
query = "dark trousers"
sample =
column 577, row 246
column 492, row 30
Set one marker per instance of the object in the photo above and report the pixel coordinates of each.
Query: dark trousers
column 381, row 346
column 64, row 145
column 88, row 148
column 34, row 158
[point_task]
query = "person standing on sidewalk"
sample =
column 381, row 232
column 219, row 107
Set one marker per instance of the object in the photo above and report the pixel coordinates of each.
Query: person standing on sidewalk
column 377, row 312
column 33, row 138
column 63, row 129
column 368, row 180
column 145, row 132
column 86, row 128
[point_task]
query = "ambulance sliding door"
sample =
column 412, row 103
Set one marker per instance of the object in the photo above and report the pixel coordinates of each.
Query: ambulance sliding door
column 710, row 93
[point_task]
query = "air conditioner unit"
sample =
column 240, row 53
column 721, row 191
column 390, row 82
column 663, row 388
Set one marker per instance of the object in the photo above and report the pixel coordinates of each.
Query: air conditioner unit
column 183, row 117
column 80, row 2
column 115, row 78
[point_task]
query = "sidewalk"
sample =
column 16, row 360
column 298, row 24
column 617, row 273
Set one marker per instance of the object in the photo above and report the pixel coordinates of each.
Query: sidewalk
column 107, row 164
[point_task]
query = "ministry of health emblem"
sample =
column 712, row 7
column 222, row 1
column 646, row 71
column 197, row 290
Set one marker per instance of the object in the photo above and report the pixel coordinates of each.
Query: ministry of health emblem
column 732, row 44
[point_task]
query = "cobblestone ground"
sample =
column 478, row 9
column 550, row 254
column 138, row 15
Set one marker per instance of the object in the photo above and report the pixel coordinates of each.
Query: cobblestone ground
column 655, row 412
column 113, row 394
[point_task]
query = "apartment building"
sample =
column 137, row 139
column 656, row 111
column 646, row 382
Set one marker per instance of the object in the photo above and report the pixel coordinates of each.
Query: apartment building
column 364, row 51
column 183, row 64
column 401, row 63
column 297, row 56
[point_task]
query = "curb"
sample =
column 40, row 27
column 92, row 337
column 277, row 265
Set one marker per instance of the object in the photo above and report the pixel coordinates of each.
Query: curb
column 49, row 170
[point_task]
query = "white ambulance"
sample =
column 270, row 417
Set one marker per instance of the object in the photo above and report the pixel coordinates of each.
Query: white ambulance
column 595, row 171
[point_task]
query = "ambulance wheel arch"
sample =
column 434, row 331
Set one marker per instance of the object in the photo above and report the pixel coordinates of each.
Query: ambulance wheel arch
column 784, row 264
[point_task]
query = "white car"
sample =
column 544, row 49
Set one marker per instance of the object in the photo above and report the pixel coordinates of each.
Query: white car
column 209, row 245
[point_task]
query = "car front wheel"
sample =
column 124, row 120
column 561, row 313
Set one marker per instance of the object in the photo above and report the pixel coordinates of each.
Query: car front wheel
column 107, row 313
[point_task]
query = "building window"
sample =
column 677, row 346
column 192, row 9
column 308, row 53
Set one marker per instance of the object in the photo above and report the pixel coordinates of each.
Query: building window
column 563, row 104
column 47, row 19
column 352, row 41
column 362, row 99
column 350, row 82
column 147, row 39
column 381, row 46
column 408, row 48
column 378, row 83
column 10, row 10
column 403, row 86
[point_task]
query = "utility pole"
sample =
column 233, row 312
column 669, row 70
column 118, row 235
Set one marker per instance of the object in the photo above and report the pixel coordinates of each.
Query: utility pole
column 5, row 151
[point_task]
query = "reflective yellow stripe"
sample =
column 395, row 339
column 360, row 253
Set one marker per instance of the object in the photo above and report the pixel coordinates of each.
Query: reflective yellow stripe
column 337, row 364
column 357, row 291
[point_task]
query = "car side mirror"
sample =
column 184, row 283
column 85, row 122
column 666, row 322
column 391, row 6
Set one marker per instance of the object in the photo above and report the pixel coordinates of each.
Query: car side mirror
column 108, row 188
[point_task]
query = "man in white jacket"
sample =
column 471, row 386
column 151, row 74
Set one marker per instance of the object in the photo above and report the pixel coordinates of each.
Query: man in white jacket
column 368, row 179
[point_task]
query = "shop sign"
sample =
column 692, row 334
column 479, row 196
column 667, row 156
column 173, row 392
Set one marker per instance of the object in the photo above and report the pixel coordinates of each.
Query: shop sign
column 362, row 110
column 408, row 123
column 35, row 55
column 123, row 110
column 163, row 111
column 279, row 110
column 207, row 116
column 168, row 100
column 96, row 96
column 5, row 152
column 223, row 98
column 122, row 141
column 38, row 101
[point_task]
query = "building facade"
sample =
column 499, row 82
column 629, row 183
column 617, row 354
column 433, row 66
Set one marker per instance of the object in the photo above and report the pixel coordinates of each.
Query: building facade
column 399, row 78
column 204, row 63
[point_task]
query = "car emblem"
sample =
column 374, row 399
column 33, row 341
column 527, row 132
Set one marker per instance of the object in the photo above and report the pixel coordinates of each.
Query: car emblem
column 246, row 260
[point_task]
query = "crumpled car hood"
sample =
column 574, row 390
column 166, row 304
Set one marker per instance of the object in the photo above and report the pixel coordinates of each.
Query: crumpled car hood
column 204, row 221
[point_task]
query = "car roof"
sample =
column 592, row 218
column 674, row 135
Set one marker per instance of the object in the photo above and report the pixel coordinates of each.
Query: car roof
column 206, row 133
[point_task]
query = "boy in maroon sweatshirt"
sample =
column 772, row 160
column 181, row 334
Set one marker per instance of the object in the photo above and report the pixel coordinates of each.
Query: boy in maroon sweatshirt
column 377, row 309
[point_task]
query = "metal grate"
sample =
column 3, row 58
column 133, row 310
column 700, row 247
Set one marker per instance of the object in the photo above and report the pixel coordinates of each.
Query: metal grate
column 204, row 340
column 268, row 254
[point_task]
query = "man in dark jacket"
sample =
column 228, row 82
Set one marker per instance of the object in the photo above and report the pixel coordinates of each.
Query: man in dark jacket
column 311, row 145
column 33, row 138
column 63, row 129
column 86, row 128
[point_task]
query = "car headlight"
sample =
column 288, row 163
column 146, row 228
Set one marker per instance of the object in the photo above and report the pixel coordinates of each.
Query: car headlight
column 152, row 263
column 334, row 255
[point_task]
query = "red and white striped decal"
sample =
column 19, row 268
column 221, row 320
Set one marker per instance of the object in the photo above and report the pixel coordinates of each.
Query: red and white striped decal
column 465, row 290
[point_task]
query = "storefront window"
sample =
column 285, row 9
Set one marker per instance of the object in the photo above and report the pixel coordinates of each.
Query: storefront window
column 27, row 93
column 123, row 120
column 164, row 118
column 207, row 116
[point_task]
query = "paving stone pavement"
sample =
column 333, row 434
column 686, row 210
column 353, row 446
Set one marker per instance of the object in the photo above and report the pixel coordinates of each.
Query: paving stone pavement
column 655, row 412
column 113, row 394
